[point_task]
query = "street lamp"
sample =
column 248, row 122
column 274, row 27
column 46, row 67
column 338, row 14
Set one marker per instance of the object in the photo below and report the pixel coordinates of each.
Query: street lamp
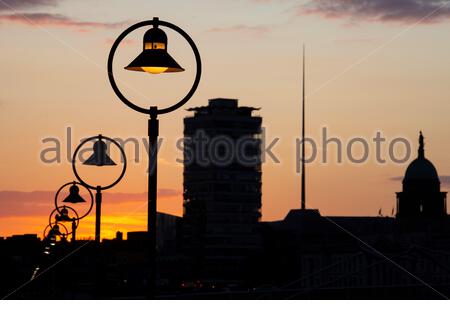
column 63, row 214
column 51, row 232
column 74, row 198
column 154, row 59
column 100, row 158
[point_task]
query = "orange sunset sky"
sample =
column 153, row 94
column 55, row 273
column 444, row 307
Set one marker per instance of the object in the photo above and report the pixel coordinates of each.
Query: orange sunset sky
column 375, row 65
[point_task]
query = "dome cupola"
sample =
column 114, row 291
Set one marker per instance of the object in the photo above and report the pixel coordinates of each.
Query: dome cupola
column 421, row 173
column 421, row 195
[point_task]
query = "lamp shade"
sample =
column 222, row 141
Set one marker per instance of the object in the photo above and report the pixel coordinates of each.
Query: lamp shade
column 100, row 156
column 54, row 231
column 63, row 216
column 74, row 195
column 154, row 58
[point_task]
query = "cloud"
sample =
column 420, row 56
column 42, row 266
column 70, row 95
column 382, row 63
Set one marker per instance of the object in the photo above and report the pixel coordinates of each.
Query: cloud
column 124, row 42
column 253, row 30
column 19, row 203
column 12, row 5
column 445, row 180
column 25, row 197
column 403, row 11
column 56, row 20
column 119, row 197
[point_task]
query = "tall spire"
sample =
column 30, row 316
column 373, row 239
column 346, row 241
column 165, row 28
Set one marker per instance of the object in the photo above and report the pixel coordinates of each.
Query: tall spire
column 303, row 206
column 421, row 152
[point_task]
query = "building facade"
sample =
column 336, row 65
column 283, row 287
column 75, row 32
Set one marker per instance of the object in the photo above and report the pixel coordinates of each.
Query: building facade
column 222, row 189
column 421, row 196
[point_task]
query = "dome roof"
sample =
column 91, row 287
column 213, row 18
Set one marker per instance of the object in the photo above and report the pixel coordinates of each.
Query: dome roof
column 421, row 169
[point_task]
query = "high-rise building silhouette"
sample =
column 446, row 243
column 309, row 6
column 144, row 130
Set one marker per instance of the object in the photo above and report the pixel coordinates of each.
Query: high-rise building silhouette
column 421, row 195
column 222, row 188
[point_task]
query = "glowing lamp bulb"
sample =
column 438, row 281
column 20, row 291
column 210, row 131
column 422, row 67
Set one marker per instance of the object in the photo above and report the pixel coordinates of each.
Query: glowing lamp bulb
column 154, row 70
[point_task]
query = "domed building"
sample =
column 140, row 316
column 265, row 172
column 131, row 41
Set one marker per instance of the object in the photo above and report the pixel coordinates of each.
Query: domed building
column 421, row 195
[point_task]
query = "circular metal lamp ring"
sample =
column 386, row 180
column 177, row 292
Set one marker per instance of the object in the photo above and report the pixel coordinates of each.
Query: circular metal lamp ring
column 77, row 219
column 74, row 167
column 47, row 227
column 72, row 183
column 153, row 23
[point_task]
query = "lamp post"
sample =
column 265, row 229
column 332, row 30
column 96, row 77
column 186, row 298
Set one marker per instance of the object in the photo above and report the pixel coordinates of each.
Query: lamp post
column 74, row 198
column 100, row 158
column 153, row 59
column 51, row 232
column 63, row 214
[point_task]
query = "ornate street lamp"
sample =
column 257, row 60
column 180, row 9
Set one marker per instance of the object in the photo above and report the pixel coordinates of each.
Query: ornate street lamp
column 62, row 215
column 74, row 198
column 51, row 233
column 100, row 158
column 74, row 194
column 154, row 59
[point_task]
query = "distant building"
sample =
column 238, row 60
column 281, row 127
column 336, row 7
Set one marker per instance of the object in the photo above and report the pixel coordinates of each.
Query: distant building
column 119, row 236
column 137, row 236
column 222, row 188
column 24, row 237
column 421, row 195
column 316, row 256
column 168, row 233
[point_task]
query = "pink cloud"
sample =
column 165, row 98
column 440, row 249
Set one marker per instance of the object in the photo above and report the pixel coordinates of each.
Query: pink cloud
column 126, row 42
column 10, row 5
column 19, row 203
column 403, row 11
column 118, row 197
column 57, row 20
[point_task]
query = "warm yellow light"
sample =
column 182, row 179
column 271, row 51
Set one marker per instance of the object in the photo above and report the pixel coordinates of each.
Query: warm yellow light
column 154, row 70
column 154, row 45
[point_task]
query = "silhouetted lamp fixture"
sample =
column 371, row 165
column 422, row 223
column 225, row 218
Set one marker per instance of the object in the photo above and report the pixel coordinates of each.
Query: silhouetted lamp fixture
column 74, row 195
column 54, row 231
column 50, row 235
column 61, row 215
column 154, row 59
column 100, row 158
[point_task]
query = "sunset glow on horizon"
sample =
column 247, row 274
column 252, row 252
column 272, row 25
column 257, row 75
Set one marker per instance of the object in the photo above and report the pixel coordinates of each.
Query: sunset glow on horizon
column 365, row 73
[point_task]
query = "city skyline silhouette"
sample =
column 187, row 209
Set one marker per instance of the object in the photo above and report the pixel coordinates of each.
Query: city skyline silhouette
column 249, row 167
